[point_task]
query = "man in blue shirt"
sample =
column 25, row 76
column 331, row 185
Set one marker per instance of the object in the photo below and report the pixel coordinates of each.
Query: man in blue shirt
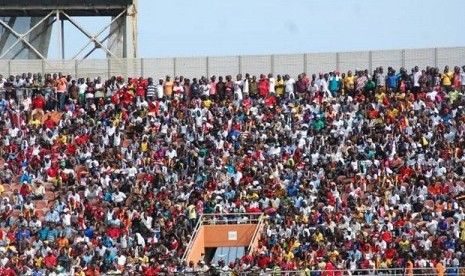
column 89, row 232
column 3, row 104
column 43, row 233
column 22, row 234
column 52, row 234
column 52, row 216
column 334, row 83
column 392, row 80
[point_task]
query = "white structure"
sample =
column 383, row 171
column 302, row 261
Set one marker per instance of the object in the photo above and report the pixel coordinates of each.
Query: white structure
column 26, row 27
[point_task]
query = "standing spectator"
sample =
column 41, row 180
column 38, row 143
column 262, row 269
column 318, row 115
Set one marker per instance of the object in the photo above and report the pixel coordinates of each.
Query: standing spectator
column 289, row 87
column 151, row 89
column 168, row 87
column 263, row 86
column 61, row 91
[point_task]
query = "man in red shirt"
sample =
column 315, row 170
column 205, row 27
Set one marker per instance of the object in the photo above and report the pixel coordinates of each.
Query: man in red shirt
column 50, row 260
column 263, row 260
column 114, row 232
column 49, row 123
column 329, row 269
column 7, row 271
column 263, row 86
column 38, row 106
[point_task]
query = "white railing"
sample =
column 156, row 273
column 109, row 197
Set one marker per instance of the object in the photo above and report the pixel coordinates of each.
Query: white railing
column 218, row 219
column 190, row 67
column 457, row 271
column 193, row 238
column 257, row 232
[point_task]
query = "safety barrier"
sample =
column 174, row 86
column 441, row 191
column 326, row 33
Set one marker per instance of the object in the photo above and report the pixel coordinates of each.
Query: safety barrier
column 291, row 64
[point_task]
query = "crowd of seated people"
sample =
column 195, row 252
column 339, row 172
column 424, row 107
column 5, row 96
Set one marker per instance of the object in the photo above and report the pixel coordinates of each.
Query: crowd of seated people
column 357, row 173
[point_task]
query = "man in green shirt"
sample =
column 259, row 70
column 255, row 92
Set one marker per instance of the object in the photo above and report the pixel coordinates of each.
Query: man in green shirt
column 318, row 125
column 454, row 95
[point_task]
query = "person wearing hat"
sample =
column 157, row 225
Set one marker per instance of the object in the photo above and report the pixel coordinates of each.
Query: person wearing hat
column 38, row 192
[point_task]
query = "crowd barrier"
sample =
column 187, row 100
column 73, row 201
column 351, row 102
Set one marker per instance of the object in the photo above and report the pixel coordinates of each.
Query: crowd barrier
column 457, row 271
column 291, row 64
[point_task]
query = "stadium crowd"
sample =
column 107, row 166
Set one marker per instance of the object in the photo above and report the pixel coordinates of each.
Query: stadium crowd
column 359, row 170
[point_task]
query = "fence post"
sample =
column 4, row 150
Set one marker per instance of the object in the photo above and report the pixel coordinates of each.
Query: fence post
column 403, row 58
column 76, row 65
column 436, row 57
column 273, row 71
column 207, row 65
column 305, row 64
column 239, row 61
column 337, row 62
column 43, row 67
column 142, row 68
column 174, row 67
column 370, row 62
column 9, row 68
column 109, row 68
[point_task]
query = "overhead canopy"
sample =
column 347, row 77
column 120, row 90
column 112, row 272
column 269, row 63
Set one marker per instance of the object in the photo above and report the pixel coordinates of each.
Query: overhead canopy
column 82, row 8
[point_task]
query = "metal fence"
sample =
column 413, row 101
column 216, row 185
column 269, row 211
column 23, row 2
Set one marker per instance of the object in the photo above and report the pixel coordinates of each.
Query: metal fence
column 448, row 271
column 292, row 64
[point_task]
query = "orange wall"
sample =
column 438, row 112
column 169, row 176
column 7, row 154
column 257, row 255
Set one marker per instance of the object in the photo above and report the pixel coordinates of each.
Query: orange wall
column 217, row 236
column 198, row 248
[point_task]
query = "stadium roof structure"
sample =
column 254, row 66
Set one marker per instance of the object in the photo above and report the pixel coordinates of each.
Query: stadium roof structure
column 26, row 27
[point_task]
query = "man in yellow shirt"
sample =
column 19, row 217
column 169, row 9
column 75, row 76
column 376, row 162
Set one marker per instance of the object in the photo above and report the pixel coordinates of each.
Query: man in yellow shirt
column 380, row 96
column 349, row 83
column 318, row 236
column 144, row 145
column 288, row 255
column 207, row 102
column 168, row 87
column 279, row 86
column 446, row 79
column 404, row 244
column 35, row 122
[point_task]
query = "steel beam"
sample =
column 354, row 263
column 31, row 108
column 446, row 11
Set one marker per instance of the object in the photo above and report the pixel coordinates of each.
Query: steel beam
column 86, row 33
column 99, row 33
column 21, row 37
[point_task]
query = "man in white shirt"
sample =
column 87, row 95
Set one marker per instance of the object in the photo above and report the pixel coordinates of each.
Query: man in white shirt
column 238, row 88
column 245, row 84
column 159, row 89
column 66, row 218
column 2, row 81
column 289, row 86
column 118, row 197
column 272, row 82
column 416, row 80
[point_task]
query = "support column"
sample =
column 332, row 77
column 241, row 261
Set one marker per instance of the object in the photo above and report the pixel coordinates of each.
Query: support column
column 60, row 33
column 62, row 29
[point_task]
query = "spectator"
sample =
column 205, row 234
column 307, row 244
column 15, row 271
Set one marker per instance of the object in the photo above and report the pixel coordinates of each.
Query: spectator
column 351, row 171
